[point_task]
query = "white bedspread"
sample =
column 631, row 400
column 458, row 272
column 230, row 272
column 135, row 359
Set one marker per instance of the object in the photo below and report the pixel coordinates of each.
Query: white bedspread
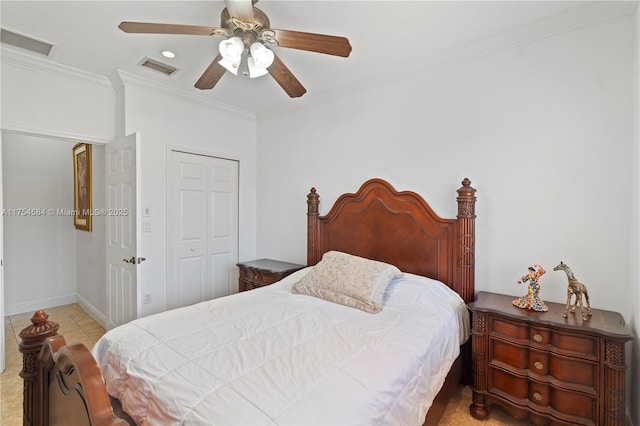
column 268, row 356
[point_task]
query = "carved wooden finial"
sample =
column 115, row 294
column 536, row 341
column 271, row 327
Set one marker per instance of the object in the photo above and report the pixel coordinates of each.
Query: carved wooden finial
column 466, row 199
column 32, row 339
column 313, row 201
column 39, row 329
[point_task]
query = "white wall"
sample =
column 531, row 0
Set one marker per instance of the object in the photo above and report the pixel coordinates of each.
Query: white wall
column 40, row 249
column 39, row 98
column 543, row 130
column 546, row 131
column 42, row 99
column 59, row 104
column 91, row 246
column 634, row 299
column 166, row 119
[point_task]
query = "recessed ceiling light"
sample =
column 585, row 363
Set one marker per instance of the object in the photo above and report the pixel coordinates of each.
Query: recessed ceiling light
column 168, row 54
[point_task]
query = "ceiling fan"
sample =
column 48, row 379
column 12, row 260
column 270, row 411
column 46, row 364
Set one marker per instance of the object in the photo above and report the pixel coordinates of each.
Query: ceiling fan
column 247, row 33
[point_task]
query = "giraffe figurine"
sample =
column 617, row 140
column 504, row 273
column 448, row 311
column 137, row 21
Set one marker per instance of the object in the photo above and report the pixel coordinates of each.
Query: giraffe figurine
column 576, row 288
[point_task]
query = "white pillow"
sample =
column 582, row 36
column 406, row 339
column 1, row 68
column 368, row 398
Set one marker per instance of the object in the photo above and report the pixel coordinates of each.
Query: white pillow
column 348, row 280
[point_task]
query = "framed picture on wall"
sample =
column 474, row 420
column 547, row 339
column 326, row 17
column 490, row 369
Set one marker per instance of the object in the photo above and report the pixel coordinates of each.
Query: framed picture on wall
column 82, row 186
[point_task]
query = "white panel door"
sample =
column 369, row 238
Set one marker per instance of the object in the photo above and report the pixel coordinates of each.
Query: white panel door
column 2, row 348
column 222, row 214
column 203, row 221
column 188, row 207
column 122, row 258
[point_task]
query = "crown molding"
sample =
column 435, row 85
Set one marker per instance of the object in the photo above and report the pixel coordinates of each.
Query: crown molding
column 44, row 66
column 121, row 79
column 115, row 81
column 592, row 13
column 51, row 134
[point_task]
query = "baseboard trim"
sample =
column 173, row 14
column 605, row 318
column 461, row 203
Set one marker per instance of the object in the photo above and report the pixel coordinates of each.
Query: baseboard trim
column 34, row 305
column 92, row 311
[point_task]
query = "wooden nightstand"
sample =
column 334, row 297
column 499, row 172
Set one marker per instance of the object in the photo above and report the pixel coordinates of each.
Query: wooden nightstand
column 261, row 272
column 546, row 368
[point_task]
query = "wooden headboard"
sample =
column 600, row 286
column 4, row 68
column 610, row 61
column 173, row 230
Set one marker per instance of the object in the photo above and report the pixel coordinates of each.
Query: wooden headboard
column 399, row 228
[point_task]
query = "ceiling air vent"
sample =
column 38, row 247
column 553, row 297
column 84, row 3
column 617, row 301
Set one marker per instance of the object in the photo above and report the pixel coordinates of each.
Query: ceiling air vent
column 158, row 66
column 24, row 42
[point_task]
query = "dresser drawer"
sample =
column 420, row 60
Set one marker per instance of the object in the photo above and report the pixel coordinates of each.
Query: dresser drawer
column 573, row 407
column 263, row 272
column 257, row 278
column 566, row 405
column 569, row 373
column 261, row 278
column 569, row 344
column 578, row 345
column 514, row 331
column 575, row 374
column 520, row 360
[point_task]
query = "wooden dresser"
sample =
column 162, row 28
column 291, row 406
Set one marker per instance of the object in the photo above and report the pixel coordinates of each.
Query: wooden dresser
column 261, row 272
column 549, row 369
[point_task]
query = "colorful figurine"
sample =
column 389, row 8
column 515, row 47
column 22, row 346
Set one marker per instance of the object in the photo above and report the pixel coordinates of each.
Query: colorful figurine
column 531, row 300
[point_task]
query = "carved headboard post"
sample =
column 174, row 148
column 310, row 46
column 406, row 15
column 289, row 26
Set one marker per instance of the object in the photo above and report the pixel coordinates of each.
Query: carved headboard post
column 32, row 340
column 313, row 201
column 466, row 240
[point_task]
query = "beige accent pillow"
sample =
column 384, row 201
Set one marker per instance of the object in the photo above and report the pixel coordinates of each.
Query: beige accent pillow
column 348, row 280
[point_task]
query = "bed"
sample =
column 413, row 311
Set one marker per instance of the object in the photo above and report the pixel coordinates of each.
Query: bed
column 278, row 355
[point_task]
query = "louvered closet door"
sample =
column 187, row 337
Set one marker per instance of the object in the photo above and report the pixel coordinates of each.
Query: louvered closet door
column 203, row 221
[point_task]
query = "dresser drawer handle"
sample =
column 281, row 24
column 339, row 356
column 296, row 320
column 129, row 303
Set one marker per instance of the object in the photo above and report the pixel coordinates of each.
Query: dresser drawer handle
column 537, row 396
column 537, row 337
column 538, row 365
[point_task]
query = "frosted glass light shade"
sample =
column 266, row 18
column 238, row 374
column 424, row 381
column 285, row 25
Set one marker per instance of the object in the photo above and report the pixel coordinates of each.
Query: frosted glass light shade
column 231, row 50
column 254, row 70
column 261, row 58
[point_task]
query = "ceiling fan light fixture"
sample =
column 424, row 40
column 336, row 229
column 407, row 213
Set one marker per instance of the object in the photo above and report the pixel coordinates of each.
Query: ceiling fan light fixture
column 230, row 66
column 247, row 37
column 260, row 59
column 231, row 49
column 262, row 56
column 255, row 70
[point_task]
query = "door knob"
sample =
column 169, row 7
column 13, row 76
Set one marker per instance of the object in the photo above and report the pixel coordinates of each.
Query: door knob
column 134, row 260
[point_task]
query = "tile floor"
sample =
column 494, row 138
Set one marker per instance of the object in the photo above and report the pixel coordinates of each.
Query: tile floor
column 78, row 327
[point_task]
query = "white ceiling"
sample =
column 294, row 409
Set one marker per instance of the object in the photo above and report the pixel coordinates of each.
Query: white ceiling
column 390, row 39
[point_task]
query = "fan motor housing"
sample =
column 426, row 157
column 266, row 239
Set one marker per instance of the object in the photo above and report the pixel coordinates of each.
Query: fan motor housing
column 260, row 22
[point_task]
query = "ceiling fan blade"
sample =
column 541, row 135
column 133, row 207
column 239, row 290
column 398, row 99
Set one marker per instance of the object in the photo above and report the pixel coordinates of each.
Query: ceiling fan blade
column 285, row 78
column 241, row 9
column 320, row 43
column 153, row 28
column 211, row 75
